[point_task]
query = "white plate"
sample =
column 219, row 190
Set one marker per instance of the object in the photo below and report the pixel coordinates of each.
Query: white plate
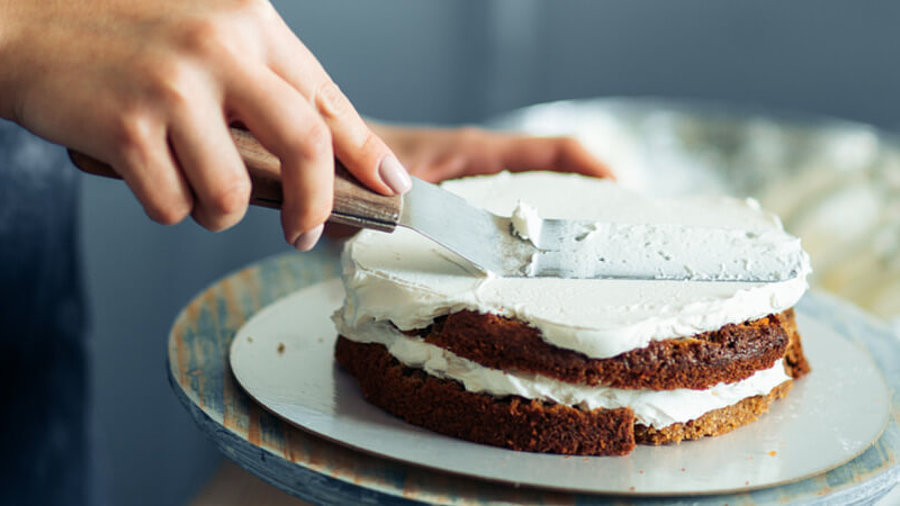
column 283, row 359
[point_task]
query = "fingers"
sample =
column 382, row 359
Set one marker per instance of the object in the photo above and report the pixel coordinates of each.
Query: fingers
column 453, row 166
column 573, row 157
column 148, row 168
column 296, row 111
column 439, row 154
column 364, row 154
column 181, row 73
column 211, row 165
column 563, row 154
column 292, row 130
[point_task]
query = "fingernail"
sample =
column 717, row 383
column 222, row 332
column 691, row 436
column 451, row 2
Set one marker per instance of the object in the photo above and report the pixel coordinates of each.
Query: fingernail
column 394, row 174
column 308, row 239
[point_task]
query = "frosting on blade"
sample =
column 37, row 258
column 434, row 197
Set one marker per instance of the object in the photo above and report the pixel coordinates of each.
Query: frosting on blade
column 406, row 279
column 526, row 223
column 653, row 408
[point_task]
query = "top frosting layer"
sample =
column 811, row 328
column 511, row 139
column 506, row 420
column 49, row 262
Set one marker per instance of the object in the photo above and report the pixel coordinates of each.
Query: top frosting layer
column 406, row 279
column 590, row 249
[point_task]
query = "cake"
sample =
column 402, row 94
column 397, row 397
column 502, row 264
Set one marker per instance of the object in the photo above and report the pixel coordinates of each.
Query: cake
column 567, row 366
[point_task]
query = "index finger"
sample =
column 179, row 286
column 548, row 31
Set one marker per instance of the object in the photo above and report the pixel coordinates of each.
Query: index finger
column 364, row 154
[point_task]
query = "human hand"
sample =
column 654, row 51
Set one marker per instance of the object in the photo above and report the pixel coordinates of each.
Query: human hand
column 436, row 154
column 150, row 87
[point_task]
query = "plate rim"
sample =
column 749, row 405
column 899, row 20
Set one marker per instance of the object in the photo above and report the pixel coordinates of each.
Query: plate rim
column 865, row 351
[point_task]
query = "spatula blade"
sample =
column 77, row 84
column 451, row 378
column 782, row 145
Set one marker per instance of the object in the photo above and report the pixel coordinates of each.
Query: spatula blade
column 481, row 237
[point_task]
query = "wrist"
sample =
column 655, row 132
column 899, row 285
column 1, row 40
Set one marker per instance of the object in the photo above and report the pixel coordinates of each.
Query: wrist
column 11, row 12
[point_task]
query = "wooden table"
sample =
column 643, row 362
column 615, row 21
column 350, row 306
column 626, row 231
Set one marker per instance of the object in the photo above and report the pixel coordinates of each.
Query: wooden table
column 320, row 471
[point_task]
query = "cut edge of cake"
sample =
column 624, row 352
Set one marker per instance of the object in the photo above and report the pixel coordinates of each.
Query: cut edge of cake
column 517, row 423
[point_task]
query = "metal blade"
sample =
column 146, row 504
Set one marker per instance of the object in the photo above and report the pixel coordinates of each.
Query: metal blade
column 482, row 238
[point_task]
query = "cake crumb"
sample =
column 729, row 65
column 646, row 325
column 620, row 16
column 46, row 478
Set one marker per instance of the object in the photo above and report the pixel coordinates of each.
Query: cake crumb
column 249, row 339
column 682, row 469
column 631, row 489
column 773, row 453
column 280, row 348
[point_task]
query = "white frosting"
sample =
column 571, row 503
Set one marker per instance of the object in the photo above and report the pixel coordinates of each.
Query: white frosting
column 406, row 279
column 526, row 222
column 654, row 408
column 590, row 249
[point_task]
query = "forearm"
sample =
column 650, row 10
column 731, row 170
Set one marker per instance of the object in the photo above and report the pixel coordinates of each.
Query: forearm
column 11, row 14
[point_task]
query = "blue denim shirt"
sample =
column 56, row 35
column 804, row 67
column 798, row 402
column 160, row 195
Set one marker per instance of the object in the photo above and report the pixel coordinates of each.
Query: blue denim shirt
column 42, row 325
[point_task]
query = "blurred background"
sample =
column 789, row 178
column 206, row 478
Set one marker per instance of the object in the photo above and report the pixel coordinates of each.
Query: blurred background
column 449, row 63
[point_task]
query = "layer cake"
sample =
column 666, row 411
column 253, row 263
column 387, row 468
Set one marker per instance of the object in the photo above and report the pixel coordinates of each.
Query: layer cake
column 570, row 366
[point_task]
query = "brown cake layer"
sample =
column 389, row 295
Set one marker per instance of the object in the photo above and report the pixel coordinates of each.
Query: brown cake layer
column 511, row 422
column 522, row 424
column 713, row 423
column 794, row 360
column 729, row 354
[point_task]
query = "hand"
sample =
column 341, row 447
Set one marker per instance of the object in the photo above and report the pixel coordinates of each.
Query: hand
column 150, row 87
column 438, row 154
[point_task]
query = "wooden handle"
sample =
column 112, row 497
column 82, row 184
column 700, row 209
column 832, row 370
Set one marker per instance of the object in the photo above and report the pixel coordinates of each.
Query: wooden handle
column 354, row 204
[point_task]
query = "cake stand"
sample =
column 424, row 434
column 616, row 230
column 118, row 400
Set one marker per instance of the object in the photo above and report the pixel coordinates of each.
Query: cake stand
column 321, row 471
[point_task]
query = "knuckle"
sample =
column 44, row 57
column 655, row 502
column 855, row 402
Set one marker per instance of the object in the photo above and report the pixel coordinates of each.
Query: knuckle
column 128, row 140
column 315, row 142
column 173, row 94
column 203, row 36
column 215, row 39
column 331, row 101
column 168, row 82
column 372, row 146
column 130, row 133
column 231, row 199
column 256, row 8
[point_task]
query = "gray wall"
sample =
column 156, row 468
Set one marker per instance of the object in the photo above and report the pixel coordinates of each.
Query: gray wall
column 456, row 61
column 449, row 62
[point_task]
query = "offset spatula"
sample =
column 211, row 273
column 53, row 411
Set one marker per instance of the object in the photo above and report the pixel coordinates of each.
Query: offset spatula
column 562, row 248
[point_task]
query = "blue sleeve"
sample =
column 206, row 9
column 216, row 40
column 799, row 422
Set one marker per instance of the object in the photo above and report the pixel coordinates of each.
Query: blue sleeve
column 42, row 327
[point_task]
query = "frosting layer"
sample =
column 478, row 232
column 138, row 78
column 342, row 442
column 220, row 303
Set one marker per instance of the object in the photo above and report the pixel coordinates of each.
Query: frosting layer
column 653, row 408
column 590, row 249
column 405, row 279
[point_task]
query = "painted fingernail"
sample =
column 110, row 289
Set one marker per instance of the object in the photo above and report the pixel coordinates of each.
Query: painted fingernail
column 308, row 239
column 394, row 174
